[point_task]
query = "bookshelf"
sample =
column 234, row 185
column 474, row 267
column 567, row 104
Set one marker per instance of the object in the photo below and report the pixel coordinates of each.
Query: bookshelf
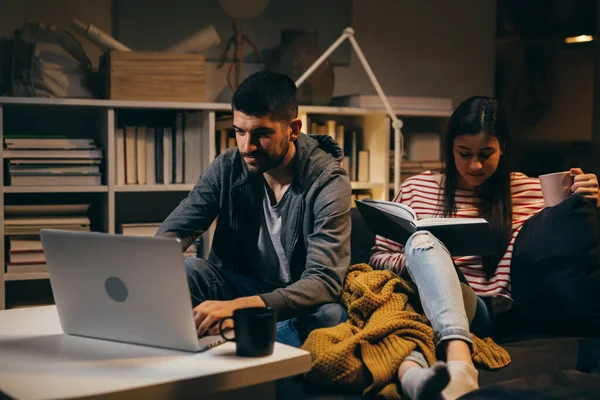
column 113, row 204
column 424, row 127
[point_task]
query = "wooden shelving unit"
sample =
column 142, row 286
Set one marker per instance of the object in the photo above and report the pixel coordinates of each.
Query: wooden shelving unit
column 96, row 118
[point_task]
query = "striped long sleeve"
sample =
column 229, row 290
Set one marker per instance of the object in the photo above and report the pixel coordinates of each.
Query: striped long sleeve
column 423, row 193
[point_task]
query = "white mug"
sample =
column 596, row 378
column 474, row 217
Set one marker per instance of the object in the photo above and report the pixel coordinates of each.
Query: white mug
column 556, row 187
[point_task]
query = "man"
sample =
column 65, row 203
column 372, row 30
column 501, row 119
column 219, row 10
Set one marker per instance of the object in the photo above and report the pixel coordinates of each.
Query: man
column 282, row 203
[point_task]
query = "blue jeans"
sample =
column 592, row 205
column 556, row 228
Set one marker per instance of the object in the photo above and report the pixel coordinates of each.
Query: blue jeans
column 209, row 282
column 433, row 271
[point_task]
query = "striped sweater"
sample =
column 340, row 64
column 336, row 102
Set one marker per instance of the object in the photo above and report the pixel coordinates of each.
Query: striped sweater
column 423, row 193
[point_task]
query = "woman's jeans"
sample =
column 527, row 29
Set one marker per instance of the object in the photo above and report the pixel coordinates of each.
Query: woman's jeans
column 208, row 282
column 433, row 271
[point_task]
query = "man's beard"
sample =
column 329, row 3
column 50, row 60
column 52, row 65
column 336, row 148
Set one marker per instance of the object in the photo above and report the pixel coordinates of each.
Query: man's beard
column 270, row 161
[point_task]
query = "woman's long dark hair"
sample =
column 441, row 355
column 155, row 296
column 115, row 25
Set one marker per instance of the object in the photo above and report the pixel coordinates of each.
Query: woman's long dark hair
column 473, row 116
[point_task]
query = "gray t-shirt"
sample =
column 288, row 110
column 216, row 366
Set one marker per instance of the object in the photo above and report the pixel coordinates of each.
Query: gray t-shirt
column 275, row 267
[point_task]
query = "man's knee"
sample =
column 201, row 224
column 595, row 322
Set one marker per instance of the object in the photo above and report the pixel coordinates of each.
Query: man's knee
column 330, row 314
column 198, row 268
column 193, row 266
column 204, row 280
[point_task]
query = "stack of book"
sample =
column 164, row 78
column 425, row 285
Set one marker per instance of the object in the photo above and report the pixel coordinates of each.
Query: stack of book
column 150, row 155
column 52, row 161
column 22, row 226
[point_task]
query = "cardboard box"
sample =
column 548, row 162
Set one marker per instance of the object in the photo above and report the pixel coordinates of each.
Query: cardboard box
column 154, row 76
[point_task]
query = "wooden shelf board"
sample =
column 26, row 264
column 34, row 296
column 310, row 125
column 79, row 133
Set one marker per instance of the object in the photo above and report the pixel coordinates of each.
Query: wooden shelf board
column 333, row 110
column 366, row 185
column 25, row 276
column 114, row 103
column 181, row 187
column 56, row 189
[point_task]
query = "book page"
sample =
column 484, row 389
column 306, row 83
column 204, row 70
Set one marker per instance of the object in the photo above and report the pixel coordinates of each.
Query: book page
column 398, row 209
column 449, row 221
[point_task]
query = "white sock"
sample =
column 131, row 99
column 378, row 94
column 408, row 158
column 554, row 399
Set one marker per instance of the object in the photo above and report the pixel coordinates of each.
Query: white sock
column 425, row 383
column 463, row 379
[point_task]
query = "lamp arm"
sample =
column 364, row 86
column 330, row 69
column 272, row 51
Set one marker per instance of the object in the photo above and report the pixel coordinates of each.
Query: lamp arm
column 396, row 123
column 331, row 49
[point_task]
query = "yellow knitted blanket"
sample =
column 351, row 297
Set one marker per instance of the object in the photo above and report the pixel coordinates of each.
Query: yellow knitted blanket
column 365, row 352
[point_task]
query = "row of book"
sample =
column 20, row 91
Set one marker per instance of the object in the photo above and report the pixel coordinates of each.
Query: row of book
column 52, row 160
column 149, row 155
column 22, row 225
column 356, row 160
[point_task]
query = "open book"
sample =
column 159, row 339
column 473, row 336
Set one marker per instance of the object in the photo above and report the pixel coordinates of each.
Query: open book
column 395, row 221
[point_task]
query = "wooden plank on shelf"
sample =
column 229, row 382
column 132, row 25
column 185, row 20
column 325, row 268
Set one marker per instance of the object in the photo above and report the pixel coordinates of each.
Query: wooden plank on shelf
column 179, row 105
column 175, row 105
column 336, row 110
column 56, row 189
column 401, row 112
column 26, row 277
column 184, row 187
column 402, row 105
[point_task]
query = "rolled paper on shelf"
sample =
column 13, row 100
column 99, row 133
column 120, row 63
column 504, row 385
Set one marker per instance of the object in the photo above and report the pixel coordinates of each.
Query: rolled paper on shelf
column 199, row 42
column 97, row 36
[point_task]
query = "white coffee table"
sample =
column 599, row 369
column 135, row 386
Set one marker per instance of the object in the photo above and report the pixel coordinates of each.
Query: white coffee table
column 38, row 361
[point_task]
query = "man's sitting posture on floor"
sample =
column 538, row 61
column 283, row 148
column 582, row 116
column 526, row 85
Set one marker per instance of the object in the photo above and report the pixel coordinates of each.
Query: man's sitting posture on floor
column 282, row 200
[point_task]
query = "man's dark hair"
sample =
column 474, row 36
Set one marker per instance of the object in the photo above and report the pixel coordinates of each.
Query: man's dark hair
column 267, row 93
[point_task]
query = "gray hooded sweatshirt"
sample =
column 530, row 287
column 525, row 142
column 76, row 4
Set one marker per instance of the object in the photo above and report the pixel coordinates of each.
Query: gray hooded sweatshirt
column 315, row 236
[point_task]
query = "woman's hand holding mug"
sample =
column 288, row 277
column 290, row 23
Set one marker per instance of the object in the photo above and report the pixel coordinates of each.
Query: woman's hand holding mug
column 585, row 185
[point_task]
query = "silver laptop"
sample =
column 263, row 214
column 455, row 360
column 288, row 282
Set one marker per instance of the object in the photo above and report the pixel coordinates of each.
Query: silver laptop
column 125, row 288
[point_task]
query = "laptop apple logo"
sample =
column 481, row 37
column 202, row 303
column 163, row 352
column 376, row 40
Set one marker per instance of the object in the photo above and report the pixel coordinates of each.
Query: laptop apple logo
column 116, row 289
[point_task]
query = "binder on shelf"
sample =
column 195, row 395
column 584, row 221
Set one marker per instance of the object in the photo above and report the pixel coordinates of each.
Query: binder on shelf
column 130, row 156
column 159, row 155
column 192, row 151
column 178, row 149
column 140, row 153
column 150, row 156
column 363, row 166
column 167, row 155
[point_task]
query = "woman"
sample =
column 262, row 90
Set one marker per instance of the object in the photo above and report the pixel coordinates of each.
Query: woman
column 476, row 183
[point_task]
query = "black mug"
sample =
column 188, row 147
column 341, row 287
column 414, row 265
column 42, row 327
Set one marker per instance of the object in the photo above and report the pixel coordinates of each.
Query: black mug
column 254, row 330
